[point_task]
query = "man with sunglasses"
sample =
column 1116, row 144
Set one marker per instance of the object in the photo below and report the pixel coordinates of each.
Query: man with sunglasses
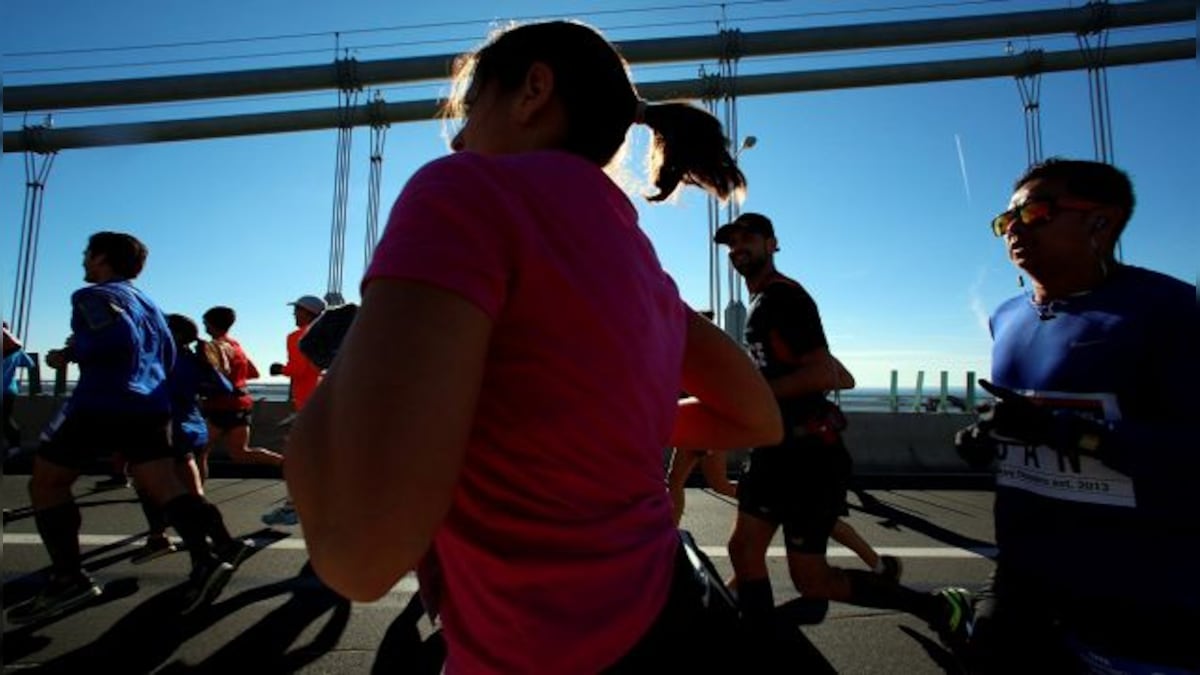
column 800, row 485
column 1094, row 434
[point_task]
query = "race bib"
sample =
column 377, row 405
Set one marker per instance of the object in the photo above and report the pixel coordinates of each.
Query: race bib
column 1044, row 471
column 1047, row 472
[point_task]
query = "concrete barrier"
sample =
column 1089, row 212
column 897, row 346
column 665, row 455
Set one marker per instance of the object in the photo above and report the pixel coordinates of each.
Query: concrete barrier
column 882, row 443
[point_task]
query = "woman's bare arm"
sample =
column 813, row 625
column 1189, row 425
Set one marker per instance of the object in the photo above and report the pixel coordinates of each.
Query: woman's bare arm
column 731, row 404
column 373, row 457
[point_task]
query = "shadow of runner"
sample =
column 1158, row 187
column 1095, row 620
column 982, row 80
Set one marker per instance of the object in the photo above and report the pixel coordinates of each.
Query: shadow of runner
column 153, row 631
column 895, row 518
column 23, row 512
column 266, row 646
column 402, row 649
column 136, row 643
column 937, row 653
column 22, row 641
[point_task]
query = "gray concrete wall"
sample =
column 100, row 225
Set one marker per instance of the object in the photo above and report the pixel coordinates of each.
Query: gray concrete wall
column 881, row 443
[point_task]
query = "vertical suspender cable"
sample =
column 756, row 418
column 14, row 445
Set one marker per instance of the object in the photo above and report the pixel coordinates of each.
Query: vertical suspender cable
column 1029, row 85
column 31, row 226
column 731, row 52
column 379, row 127
column 347, row 98
column 1097, row 72
column 711, row 94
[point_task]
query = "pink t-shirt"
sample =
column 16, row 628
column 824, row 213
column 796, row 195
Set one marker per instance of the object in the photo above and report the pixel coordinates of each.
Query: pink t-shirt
column 557, row 552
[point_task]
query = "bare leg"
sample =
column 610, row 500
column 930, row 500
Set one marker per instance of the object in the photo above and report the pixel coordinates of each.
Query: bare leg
column 715, row 473
column 189, row 474
column 845, row 534
column 682, row 463
column 238, row 442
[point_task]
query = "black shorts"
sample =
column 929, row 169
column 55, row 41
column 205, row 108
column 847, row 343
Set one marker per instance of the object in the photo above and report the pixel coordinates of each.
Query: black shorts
column 228, row 419
column 75, row 438
column 800, row 486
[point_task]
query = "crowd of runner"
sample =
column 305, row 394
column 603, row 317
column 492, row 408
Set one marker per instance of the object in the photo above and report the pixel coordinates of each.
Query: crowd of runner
column 508, row 446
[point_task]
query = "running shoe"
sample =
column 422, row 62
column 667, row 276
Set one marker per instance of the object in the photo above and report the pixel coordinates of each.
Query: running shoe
column 957, row 620
column 205, row 584
column 892, row 568
column 236, row 551
column 284, row 515
column 155, row 547
column 58, row 597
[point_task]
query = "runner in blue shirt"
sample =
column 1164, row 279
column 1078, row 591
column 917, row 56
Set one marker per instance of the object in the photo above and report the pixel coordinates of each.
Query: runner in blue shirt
column 121, row 402
column 192, row 377
column 1094, row 435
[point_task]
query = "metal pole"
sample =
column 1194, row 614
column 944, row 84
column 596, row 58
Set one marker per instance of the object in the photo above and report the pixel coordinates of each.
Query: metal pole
column 744, row 85
column 1076, row 21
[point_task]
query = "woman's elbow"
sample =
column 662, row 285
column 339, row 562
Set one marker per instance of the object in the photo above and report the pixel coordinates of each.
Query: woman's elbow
column 768, row 429
column 353, row 583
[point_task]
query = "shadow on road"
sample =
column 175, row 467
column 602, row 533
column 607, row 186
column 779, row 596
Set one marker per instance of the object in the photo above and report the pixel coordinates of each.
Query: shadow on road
column 894, row 518
column 403, row 650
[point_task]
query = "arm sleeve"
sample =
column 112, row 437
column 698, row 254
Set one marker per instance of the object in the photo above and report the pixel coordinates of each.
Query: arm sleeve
column 99, row 330
column 1172, row 430
column 293, row 354
column 452, row 228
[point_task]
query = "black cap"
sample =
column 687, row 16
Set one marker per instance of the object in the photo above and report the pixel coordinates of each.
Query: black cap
column 755, row 223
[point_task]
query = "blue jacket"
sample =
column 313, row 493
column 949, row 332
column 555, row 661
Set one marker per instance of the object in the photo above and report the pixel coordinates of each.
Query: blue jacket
column 1125, row 352
column 124, row 350
column 193, row 376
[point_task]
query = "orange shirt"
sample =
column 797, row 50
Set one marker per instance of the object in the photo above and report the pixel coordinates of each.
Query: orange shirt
column 304, row 373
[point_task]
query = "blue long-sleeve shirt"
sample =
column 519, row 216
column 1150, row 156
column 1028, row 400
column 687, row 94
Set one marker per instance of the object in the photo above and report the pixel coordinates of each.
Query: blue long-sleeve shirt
column 1126, row 352
column 124, row 349
column 192, row 376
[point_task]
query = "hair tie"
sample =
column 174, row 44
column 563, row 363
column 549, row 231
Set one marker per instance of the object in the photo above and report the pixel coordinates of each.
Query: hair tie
column 639, row 111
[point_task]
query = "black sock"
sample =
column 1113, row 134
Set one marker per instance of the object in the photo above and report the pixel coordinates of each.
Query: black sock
column 188, row 514
column 868, row 589
column 216, row 526
column 155, row 519
column 756, row 600
column 59, row 528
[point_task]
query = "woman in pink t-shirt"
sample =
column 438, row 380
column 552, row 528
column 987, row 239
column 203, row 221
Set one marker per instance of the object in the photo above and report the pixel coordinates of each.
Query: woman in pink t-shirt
column 501, row 402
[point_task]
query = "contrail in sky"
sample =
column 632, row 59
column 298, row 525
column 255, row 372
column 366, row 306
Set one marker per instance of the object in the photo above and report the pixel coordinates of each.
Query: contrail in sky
column 962, row 165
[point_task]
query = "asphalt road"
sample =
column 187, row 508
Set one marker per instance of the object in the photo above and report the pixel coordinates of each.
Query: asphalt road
column 275, row 616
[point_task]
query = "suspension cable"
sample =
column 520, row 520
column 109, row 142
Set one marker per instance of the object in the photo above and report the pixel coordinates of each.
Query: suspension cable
column 379, row 127
column 712, row 93
column 31, row 226
column 348, row 88
column 1029, row 85
column 1097, row 73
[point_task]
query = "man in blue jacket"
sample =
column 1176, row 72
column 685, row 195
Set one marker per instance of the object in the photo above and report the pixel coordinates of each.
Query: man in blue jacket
column 121, row 402
column 1094, row 437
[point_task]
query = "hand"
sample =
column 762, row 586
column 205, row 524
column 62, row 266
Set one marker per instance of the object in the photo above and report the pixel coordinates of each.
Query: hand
column 276, row 369
column 975, row 445
column 56, row 359
column 1017, row 417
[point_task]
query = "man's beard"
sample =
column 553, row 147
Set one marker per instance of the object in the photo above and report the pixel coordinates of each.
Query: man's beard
column 751, row 267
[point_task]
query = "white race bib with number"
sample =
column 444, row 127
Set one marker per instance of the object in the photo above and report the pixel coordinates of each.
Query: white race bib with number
column 1044, row 471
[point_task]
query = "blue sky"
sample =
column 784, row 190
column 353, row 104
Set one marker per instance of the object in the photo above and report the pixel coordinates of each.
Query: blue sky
column 878, row 213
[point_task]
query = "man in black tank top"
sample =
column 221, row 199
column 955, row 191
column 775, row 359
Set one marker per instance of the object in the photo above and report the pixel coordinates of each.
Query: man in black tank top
column 800, row 484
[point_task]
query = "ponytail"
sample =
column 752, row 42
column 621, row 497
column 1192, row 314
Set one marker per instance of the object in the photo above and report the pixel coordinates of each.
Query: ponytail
column 689, row 147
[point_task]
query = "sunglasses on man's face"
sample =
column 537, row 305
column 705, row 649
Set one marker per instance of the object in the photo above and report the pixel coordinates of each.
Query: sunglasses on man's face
column 1037, row 212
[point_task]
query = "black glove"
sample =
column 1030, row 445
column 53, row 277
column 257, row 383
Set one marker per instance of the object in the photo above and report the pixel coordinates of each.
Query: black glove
column 1017, row 417
column 324, row 336
column 975, row 445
